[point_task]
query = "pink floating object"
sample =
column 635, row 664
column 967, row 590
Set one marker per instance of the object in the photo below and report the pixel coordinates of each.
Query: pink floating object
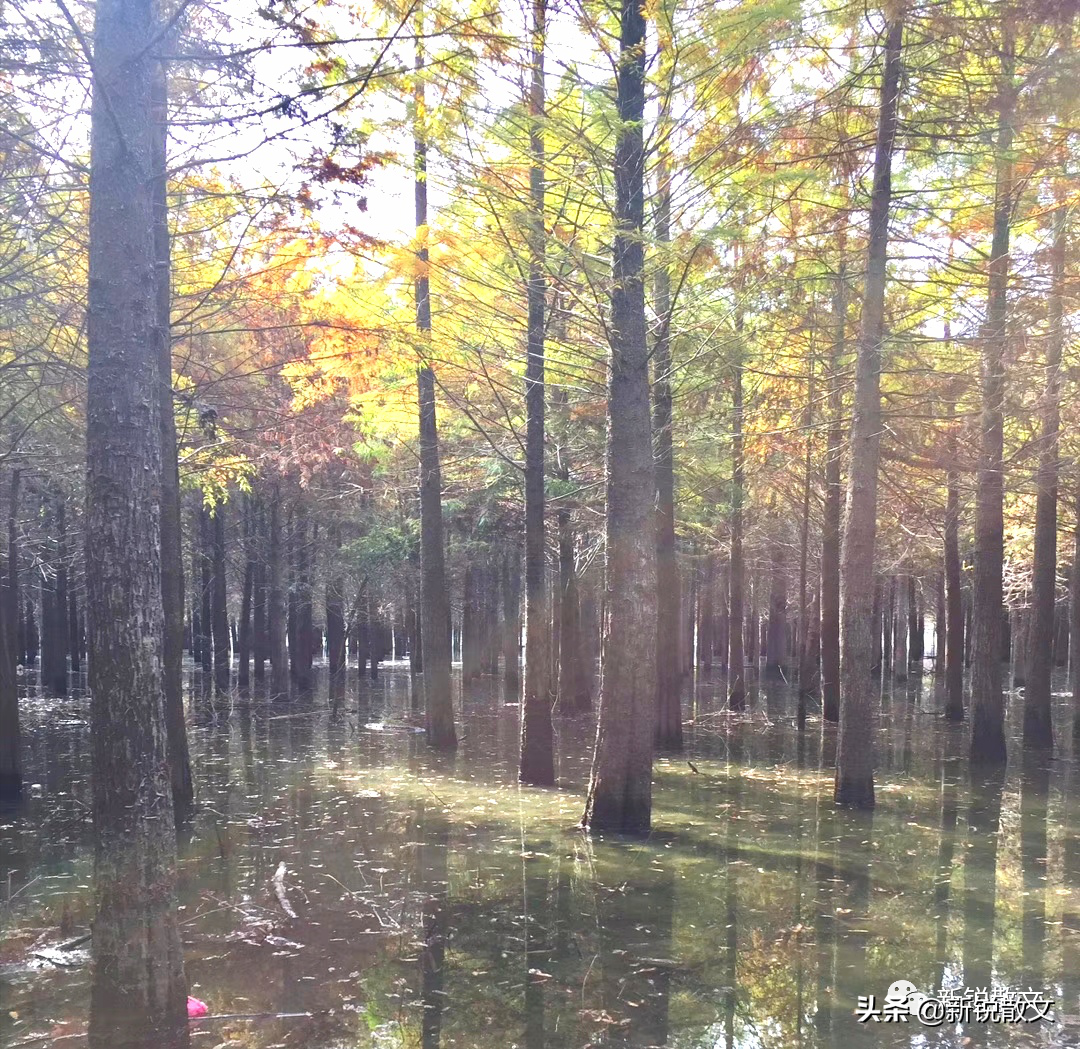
column 195, row 1008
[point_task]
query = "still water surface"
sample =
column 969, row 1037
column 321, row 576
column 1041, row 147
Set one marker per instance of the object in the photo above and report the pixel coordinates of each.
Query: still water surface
column 439, row 903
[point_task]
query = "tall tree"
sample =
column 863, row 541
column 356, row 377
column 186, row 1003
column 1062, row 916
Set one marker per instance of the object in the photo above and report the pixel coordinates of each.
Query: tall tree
column 537, row 733
column 834, row 495
column 669, row 734
column 855, row 746
column 139, row 991
column 435, row 598
column 987, row 744
column 620, row 790
column 172, row 539
column 736, row 566
column 1038, row 728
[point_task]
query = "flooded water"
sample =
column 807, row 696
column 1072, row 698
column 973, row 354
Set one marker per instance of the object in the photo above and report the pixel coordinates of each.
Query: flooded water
column 342, row 886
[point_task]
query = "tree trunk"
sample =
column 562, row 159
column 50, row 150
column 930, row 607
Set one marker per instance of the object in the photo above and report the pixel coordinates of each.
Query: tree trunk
column 435, row 598
column 776, row 633
column 855, row 746
column 260, row 640
column 537, row 734
column 669, row 733
column 206, row 562
column 620, row 790
column 172, row 537
column 1038, row 728
column 511, row 586
column 954, row 598
column 1074, row 617
column 916, row 626
column 219, row 612
column 243, row 634
column 305, row 629
column 830, row 528
column 335, row 610
column 987, row 703
column 138, row 994
column 275, row 604
column 736, row 566
column 10, row 734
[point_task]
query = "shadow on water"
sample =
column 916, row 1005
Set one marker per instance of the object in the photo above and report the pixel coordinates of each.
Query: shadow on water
column 339, row 884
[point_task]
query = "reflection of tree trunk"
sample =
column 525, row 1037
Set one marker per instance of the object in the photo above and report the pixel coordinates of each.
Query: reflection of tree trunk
column 138, row 991
column 635, row 917
column 980, row 878
column 851, row 860
column 825, row 916
column 731, row 892
column 1070, row 917
column 1034, row 790
column 433, row 877
column 537, row 958
column 946, row 848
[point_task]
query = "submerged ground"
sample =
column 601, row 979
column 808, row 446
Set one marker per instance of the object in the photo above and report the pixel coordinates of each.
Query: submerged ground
column 438, row 903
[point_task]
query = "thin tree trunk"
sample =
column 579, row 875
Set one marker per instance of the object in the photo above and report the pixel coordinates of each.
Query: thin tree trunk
column 987, row 703
column 511, row 584
column 244, row 634
column 10, row 734
column 855, row 746
column 435, row 598
column 206, row 561
column 275, row 604
column 537, row 734
column 807, row 658
column 260, row 641
column 219, row 614
column 669, row 732
column 335, row 610
column 172, row 537
column 736, row 566
column 620, row 790
column 954, row 597
column 1074, row 617
column 834, row 494
column 1038, row 728
column 138, row 993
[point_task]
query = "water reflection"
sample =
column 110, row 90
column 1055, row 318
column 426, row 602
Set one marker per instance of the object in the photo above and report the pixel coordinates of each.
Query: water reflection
column 435, row 902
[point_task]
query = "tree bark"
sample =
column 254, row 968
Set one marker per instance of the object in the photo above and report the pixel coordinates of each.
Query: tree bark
column 669, row 732
column 1038, row 727
column 987, row 743
column 511, row 587
column 736, row 566
column 834, row 494
column 855, row 746
column 219, row 613
column 275, row 602
column 435, row 598
column 954, row 598
column 10, row 733
column 243, row 634
column 138, row 996
column 172, row 539
column 620, row 790
column 335, row 610
column 537, row 734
